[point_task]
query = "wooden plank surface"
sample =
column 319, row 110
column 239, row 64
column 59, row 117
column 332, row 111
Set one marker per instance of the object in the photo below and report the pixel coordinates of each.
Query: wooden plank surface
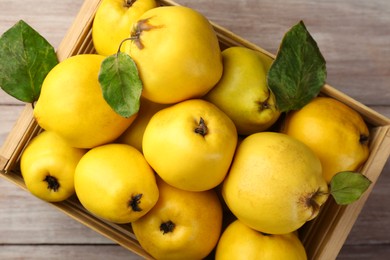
column 354, row 37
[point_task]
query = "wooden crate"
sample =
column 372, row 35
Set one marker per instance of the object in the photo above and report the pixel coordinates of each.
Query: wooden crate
column 322, row 237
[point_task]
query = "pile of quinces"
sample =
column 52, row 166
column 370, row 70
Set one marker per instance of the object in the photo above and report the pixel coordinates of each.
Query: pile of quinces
column 208, row 164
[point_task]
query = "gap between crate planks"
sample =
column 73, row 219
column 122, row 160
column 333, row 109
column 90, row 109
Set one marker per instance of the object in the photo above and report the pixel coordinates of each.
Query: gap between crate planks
column 354, row 37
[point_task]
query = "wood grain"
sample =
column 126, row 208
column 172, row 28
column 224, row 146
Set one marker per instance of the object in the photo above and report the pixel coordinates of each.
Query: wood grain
column 72, row 251
column 354, row 37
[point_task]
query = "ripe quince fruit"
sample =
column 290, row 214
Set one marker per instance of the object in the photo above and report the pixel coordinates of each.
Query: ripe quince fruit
column 275, row 183
column 114, row 182
column 71, row 104
column 242, row 92
column 177, row 54
column 190, row 145
column 335, row 132
column 182, row 224
column 113, row 22
column 238, row 241
column 48, row 167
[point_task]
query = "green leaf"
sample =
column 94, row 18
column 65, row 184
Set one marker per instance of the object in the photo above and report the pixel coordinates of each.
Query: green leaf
column 121, row 84
column 298, row 72
column 25, row 60
column 347, row 187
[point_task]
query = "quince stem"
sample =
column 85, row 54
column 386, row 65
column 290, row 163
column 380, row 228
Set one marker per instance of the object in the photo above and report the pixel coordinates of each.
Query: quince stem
column 142, row 25
column 132, row 38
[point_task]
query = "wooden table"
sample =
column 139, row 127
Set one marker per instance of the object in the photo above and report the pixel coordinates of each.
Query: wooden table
column 354, row 37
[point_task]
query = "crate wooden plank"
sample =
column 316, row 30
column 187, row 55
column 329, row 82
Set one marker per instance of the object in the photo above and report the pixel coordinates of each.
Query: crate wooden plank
column 367, row 251
column 371, row 225
column 336, row 224
column 74, row 252
column 25, row 219
column 8, row 114
column 23, row 130
column 101, row 252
